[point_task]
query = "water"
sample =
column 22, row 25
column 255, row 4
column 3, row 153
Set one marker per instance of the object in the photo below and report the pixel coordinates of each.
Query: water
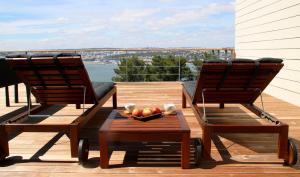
column 105, row 72
column 100, row 72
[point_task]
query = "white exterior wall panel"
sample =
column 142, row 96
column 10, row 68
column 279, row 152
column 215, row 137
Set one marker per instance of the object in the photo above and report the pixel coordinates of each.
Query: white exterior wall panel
column 271, row 28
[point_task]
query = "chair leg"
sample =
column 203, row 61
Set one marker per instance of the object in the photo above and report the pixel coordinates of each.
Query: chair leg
column 16, row 93
column 7, row 96
column 4, row 149
column 283, row 143
column 183, row 100
column 77, row 106
column 222, row 106
column 28, row 96
column 206, row 138
column 74, row 137
column 115, row 105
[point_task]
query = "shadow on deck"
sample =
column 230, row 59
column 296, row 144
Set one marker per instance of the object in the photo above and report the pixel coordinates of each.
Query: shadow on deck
column 232, row 153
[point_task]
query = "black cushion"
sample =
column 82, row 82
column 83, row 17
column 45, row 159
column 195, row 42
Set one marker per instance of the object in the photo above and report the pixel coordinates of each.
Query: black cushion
column 102, row 88
column 190, row 87
column 55, row 54
column 42, row 55
column 9, row 77
column 68, row 54
column 17, row 56
column 270, row 60
column 215, row 61
column 242, row 60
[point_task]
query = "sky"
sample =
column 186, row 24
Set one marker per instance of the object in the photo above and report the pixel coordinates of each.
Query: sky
column 72, row 24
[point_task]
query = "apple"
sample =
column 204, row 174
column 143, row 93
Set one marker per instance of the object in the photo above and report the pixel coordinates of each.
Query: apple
column 156, row 110
column 137, row 112
column 147, row 112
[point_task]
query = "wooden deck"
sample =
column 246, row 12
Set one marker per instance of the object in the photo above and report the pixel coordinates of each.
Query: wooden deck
column 246, row 155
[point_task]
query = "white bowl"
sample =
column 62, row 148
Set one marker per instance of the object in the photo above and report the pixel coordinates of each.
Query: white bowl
column 170, row 107
column 129, row 107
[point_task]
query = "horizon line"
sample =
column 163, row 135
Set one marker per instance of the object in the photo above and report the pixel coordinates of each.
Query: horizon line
column 123, row 49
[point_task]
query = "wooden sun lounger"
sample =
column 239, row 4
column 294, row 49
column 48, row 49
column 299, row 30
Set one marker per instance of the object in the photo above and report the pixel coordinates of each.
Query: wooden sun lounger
column 8, row 79
column 239, row 81
column 57, row 79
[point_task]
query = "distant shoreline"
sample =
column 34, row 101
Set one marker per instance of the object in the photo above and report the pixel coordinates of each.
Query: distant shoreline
column 98, row 63
column 93, row 62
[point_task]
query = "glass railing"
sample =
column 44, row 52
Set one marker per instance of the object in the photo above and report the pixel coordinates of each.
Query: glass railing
column 144, row 65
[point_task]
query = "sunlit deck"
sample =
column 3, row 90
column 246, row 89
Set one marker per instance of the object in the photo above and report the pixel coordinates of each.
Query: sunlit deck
column 48, row 154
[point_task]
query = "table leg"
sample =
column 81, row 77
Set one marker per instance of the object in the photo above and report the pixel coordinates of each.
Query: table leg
column 185, row 150
column 104, row 160
column 183, row 100
column 115, row 100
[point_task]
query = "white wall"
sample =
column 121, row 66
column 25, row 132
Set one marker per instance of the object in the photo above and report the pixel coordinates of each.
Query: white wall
column 271, row 28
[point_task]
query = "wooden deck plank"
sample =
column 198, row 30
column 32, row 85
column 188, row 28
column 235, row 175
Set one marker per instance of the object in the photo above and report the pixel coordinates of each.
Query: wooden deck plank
column 243, row 155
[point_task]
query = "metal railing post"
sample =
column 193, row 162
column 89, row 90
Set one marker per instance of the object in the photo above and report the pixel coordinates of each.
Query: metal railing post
column 179, row 70
column 145, row 72
column 233, row 54
column 126, row 75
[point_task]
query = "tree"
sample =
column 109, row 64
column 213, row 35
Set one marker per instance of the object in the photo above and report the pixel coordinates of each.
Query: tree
column 168, row 69
column 130, row 69
column 161, row 68
column 197, row 62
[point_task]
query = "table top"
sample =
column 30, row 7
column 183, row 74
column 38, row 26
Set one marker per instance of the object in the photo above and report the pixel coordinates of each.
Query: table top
column 118, row 121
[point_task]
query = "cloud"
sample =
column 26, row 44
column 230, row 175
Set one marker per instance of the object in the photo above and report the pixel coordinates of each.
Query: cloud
column 135, row 15
column 115, row 23
column 192, row 15
column 167, row 1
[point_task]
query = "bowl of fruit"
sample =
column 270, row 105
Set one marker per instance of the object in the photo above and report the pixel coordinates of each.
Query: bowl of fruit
column 146, row 113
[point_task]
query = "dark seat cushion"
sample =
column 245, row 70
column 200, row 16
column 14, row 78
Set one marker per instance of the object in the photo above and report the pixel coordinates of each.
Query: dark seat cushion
column 102, row 88
column 190, row 87
column 17, row 56
column 43, row 55
column 270, row 60
column 55, row 55
column 215, row 61
column 242, row 60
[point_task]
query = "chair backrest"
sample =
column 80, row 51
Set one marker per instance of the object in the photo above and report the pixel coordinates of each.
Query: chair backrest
column 9, row 77
column 236, row 81
column 54, row 78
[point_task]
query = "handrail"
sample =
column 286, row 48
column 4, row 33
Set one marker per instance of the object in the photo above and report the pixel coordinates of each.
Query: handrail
column 127, row 49
column 127, row 52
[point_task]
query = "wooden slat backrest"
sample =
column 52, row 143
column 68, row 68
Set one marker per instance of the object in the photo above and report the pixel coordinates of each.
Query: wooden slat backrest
column 57, row 79
column 234, row 82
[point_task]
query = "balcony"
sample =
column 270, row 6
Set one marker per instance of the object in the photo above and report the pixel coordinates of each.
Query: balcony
column 263, row 29
column 37, row 154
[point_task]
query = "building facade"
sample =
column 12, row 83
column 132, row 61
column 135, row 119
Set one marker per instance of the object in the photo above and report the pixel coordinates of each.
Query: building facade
column 271, row 28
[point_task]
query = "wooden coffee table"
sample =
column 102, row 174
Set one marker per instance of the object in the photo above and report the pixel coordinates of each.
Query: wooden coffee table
column 118, row 127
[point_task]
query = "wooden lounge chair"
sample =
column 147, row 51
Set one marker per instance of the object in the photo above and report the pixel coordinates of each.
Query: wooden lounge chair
column 57, row 79
column 238, row 81
column 8, row 79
